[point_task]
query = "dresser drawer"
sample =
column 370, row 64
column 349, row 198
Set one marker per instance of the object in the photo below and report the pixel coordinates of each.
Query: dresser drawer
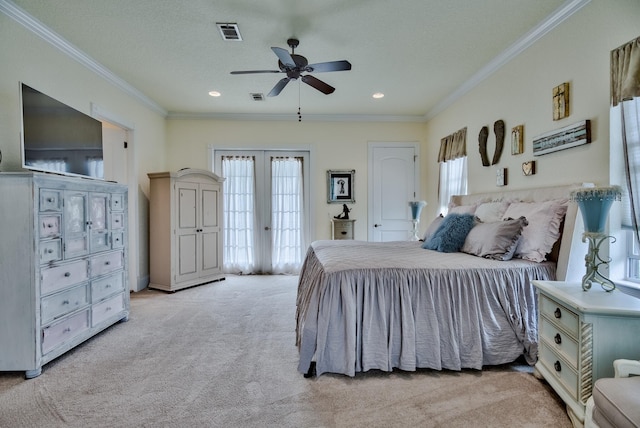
column 106, row 309
column 117, row 220
column 106, row 286
column 50, row 251
column 50, row 200
column 560, row 315
column 105, row 263
column 117, row 201
column 117, row 240
column 563, row 372
column 49, row 226
column 64, row 330
column 558, row 340
column 63, row 276
column 59, row 304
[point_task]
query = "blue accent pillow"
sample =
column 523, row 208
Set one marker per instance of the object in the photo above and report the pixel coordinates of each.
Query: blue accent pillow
column 450, row 235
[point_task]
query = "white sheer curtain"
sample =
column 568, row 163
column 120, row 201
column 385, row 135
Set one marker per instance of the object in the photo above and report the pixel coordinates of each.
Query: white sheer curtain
column 453, row 181
column 239, row 214
column 286, row 214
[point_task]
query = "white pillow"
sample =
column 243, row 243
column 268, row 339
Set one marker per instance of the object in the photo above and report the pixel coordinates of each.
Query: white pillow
column 462, row 209
column 543, row 230
column 491, row 211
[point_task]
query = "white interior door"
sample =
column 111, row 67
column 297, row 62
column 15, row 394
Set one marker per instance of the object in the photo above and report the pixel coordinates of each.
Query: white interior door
column 392, row 184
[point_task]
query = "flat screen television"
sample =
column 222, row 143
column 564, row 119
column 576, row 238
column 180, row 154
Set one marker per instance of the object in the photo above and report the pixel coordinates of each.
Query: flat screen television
column 57, row 138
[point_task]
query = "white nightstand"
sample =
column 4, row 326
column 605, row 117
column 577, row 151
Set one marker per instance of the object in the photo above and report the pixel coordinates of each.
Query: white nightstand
column 580, row 333
column 342, row 229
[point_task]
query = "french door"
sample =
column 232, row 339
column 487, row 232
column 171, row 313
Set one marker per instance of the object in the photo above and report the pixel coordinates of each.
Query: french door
column 266, row 210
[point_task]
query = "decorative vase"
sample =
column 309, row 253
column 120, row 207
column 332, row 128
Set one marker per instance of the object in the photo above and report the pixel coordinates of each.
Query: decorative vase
column 416, row 210
column 594, row 204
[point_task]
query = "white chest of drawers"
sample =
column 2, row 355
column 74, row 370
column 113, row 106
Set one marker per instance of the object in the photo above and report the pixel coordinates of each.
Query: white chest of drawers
column 62, row 265
column 580, row 334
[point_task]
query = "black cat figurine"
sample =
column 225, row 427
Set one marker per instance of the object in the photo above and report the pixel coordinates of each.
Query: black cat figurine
column 345, row 213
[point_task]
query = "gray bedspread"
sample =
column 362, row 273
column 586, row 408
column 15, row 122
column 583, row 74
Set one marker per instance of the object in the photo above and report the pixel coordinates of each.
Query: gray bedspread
column 365, row 305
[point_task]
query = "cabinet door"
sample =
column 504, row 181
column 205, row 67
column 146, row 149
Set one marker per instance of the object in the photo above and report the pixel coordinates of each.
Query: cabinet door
column 98, row 221
column 186, row 231
column 210, row 229
column 76, row 223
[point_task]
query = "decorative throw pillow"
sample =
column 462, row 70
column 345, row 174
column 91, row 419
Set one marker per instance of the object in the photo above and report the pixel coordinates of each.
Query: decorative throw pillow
column 496, row 240
column 543, row 230
column 491, row 211
column 433, row 227
column 450, row 235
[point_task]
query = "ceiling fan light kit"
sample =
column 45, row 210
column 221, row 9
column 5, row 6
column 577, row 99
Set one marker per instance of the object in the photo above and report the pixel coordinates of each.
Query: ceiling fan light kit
column 293, row 65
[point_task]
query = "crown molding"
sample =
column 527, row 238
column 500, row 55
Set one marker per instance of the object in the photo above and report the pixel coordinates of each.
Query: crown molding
column 294, row 117
column 38, row 28
column 565, row 11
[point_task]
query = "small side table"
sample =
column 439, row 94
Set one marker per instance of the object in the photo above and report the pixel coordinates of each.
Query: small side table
column 580, row 334
column 342, row 229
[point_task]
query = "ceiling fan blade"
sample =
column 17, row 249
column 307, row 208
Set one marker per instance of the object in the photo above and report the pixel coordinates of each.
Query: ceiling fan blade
column 279, row 87
column 256, row 71
column 284, row 56
column 322, row 67
column 318, row 84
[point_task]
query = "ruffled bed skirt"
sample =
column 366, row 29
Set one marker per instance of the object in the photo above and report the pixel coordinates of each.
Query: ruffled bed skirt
column 357, row 312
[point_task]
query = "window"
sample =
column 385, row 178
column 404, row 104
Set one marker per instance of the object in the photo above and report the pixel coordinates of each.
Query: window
column 453, row 181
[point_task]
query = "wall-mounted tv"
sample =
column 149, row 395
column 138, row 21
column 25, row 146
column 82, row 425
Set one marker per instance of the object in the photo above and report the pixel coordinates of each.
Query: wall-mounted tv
column 57, row 138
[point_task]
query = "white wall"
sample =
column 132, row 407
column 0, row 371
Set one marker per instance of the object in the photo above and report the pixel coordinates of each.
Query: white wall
column 25, row 57
column 334, row 145
column 520, row 93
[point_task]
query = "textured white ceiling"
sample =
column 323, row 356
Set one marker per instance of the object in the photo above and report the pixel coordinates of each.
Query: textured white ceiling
column 417, row 52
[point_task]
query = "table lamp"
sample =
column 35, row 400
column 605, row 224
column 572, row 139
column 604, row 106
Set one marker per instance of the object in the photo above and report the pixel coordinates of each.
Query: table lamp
column 416, row 210
column 594, row 204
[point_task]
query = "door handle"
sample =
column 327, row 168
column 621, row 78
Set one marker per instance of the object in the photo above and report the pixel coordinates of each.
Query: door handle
column 377, row 225
column 267, row 228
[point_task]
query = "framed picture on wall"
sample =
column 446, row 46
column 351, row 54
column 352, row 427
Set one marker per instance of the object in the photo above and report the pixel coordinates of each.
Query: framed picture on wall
column 340, row 186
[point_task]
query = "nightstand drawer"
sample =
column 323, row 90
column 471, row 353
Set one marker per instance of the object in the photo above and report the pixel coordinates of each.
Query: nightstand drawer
column 559, row 341
column 563, row 372
column 560, row 315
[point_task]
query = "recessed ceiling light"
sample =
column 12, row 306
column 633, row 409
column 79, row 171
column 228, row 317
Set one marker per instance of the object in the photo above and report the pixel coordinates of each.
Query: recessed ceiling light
column 378, row 95
column 215, row 93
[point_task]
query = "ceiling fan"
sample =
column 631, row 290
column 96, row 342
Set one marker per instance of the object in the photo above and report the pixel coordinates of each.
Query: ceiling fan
column 294, row 65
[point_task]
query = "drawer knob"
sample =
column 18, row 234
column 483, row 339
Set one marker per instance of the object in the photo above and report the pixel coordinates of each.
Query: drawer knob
column 49, row 199
column 557, row 338
column 557, row 313
column 107, row 263
column 67, row 274
column 344, row 232
column 557, row 366
column 65, row 302
column 67, row 330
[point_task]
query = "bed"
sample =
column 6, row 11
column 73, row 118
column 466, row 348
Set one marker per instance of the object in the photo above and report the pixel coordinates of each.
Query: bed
column 396, row 305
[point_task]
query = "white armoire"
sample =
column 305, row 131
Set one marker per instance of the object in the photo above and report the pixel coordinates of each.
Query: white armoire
column 63, row 270
column 185, row 242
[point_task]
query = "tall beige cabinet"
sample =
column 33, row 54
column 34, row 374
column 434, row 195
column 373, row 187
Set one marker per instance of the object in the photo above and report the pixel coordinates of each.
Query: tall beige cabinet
column 63, row 271
column 185, row 239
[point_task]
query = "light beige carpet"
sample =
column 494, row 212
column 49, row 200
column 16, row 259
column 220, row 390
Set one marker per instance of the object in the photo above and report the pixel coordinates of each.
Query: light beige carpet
column 223, row 355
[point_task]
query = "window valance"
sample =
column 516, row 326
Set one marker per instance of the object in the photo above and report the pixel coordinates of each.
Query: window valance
column 453, row 146
column 625, row 72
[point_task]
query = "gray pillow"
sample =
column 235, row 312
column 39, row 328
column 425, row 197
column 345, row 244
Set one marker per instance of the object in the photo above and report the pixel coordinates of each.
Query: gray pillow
column 497, row 240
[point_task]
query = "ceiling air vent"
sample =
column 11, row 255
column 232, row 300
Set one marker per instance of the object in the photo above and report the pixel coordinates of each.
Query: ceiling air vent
column 229, row 31
column 257, row 96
